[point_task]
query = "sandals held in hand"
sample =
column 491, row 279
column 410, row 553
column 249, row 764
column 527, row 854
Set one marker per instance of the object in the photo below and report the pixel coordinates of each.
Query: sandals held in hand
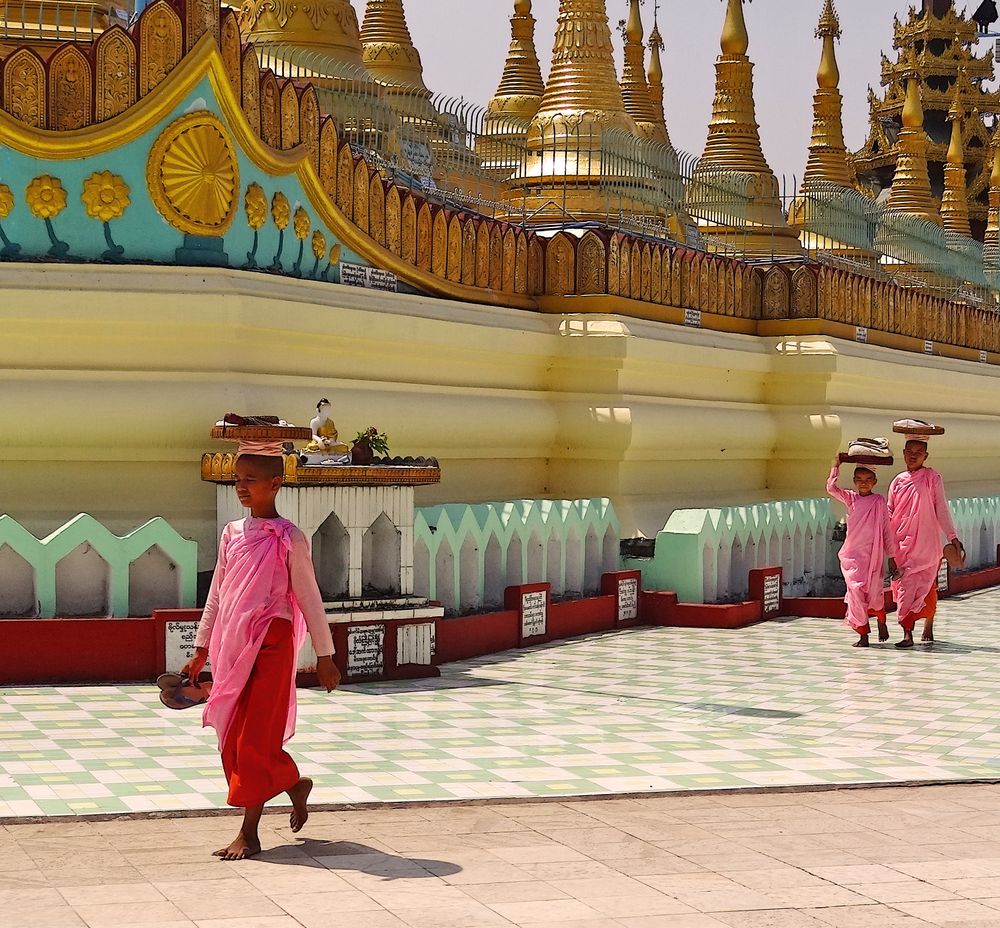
column 178, row 692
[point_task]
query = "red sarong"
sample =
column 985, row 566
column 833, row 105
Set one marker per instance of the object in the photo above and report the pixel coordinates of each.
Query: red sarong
column 257, row 766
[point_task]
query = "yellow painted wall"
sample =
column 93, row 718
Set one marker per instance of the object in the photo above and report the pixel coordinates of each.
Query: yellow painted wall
column 111, row 377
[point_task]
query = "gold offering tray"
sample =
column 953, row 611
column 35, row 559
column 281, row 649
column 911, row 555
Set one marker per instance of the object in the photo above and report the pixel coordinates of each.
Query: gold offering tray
column 919, row 430
column 260, row 433
column 219, row 467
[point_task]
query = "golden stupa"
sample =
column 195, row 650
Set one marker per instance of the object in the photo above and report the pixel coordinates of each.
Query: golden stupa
column 911, row 186
column 733, row 190
column 639, row 102
column 991, row 242
column 329, row 30
column 580, row 120
column 655, row 79
column 955, row 201
column 513, row 106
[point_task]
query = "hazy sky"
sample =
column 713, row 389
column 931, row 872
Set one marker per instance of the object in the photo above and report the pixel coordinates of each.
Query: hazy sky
column 464, row 42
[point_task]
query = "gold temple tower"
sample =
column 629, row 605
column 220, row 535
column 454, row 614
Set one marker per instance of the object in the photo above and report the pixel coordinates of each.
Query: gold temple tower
column 581, row 110
column 911, row 186
column 334, row 37
column 509, row 113
column 655, row 78
column 733, row 189
column 937, row 43
column 639, row 101
column 991, row 242
column 954, row 201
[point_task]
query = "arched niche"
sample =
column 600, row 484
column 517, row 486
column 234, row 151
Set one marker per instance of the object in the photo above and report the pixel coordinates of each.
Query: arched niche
column 153, row 583
column 83, row 583
column 331, row 553
column 380, row 558
column 17, row 585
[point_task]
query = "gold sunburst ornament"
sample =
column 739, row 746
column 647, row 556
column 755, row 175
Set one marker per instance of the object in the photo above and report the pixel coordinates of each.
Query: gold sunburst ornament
column 193, row 176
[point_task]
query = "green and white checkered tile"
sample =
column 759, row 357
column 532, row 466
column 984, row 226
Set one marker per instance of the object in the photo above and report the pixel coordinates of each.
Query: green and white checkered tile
column 778, row 704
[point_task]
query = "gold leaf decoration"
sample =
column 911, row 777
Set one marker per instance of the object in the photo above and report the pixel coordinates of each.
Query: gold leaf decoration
column 255, row 203
column 46, row 196
column 302, row 224
column 7, row 201
column 193, row 175
column 105, row 195
column 318, row 241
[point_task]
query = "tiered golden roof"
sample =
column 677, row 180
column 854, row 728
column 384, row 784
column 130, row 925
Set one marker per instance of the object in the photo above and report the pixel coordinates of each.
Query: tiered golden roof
column 635, row 89
column 750, row 215
column 518, row 96
column 954, row 202
column 581, row 105
column 935, row 45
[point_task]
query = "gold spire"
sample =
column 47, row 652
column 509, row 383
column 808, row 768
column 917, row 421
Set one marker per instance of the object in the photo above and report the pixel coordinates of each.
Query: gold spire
column 911, row 187
column 517, row 99
column 635, row 91
column 991, row 248
column 756, row 225
column 955, row 200
column 389, row 53
column 656, row 77
column 582, row 101
column 827, row 151
column 334, row 33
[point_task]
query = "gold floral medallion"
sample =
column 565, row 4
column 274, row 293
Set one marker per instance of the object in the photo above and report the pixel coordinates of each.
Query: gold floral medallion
column 7, row 201
column 193, row 176
column 105, row 195
column 46, row 196
column 318, row 245
column 301, row 223
column 255, row 203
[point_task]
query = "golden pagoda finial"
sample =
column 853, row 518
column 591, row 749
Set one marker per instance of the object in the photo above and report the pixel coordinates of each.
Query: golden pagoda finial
column 517, row 99
column 389, row 53
column 635, row 90
column 655, row 74
column 735, row 38
column 582, row 102
column 828, row 75
column 335, row 34
column 757, row 226
column 955, row 199
column 911, row 185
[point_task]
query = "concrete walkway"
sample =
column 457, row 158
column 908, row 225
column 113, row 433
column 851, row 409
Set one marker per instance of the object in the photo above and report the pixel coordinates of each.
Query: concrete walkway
column 869, row 858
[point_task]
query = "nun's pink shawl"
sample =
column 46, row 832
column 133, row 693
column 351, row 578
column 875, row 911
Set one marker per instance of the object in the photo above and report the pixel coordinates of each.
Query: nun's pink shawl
column 251, row 553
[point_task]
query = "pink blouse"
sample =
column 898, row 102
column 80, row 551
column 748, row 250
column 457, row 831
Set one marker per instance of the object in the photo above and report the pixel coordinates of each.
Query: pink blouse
column 300, row 579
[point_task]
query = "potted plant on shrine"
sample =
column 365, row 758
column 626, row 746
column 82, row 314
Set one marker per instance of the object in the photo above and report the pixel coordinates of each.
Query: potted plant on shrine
column 367, row 444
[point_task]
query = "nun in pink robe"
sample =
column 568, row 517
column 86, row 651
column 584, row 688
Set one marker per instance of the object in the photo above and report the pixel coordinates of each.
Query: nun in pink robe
column 870, row 541
column 921, row 522
column 263, row 601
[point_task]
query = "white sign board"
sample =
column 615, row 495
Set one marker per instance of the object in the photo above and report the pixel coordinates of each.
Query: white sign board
column 371, row 278
column 534, row 614
column 179, row 646
column 928, row 347
column 861, row 334
column 942, row 577
column 983, row 357
column 365, row 650
column 692, row 317
column 628, row 599
column 772, row 594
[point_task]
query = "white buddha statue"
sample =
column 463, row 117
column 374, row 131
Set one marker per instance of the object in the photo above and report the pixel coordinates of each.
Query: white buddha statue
column 326, row 446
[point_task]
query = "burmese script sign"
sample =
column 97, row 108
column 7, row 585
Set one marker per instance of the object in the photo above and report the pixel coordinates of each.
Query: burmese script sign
column 365, row 652
column 628, row 599
column 371, row 278
column 179, row 645
column 772, row 594
column 533, row 614
column 942, row 577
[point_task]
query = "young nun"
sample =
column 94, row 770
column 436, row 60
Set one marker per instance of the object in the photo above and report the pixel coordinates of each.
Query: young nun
column 263, row 601
column 918, row 510
column 869, row 541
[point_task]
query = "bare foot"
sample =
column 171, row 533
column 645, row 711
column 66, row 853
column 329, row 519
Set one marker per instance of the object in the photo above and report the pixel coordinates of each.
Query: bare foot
column 240, row 849
column 928, row 634
column 883, row 631
column 862, row 642
column 299, row 794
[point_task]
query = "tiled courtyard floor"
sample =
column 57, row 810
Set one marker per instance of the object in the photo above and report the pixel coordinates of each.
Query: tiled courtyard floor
column 881, row 858
column 778, row 704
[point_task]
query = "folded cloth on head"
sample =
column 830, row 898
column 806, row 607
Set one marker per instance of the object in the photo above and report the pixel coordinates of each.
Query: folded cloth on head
column 870, row 447
column 916, row 429
column 265, row 449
